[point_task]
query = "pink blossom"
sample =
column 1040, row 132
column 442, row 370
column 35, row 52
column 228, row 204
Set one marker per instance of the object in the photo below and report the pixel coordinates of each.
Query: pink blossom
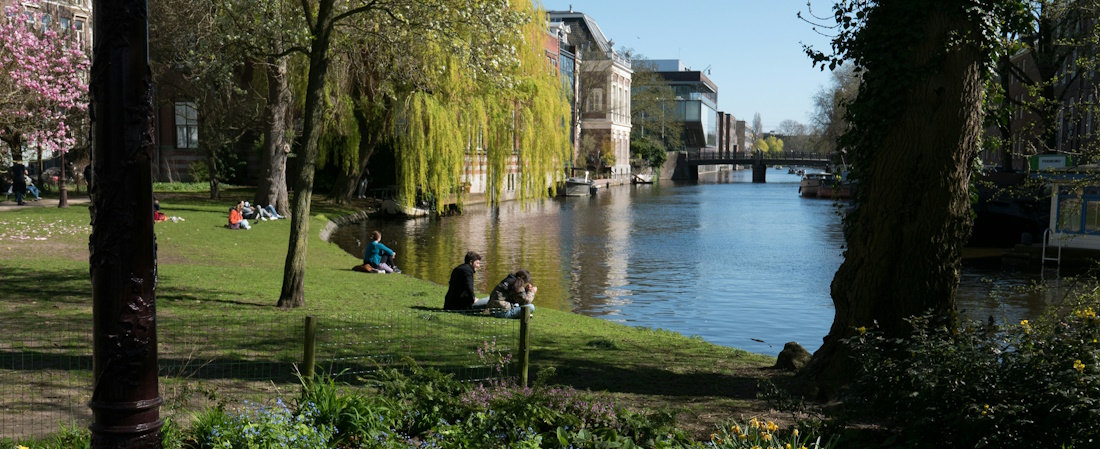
column 41, row 79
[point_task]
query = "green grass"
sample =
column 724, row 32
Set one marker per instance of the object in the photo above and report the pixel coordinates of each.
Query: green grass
column 215, row 278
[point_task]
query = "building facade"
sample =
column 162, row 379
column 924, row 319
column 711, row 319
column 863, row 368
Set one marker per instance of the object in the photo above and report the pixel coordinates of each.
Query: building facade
column 604, row 94
column 696, row 105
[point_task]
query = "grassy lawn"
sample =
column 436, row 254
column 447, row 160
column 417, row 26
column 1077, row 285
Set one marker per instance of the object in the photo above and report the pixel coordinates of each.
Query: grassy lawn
column 227, row 283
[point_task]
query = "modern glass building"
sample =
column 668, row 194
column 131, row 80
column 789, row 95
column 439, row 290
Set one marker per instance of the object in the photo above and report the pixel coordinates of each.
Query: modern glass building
column 696, row 103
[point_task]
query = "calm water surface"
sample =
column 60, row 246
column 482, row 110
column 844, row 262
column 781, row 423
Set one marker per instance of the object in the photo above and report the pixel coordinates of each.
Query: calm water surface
column 738, row 264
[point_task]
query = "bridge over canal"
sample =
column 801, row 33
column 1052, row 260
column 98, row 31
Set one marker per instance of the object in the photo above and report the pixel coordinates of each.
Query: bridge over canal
column 759, row 160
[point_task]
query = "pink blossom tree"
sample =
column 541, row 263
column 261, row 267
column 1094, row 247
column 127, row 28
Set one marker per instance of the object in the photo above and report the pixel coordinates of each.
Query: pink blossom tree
column 43, row 82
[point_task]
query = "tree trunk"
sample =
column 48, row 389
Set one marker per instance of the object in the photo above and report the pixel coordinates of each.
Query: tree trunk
column 212, row 169
column 166, row 169
column 905, row 240
column 272, row 185
column 1004, row 124
column 294, row 272
column 371, row 128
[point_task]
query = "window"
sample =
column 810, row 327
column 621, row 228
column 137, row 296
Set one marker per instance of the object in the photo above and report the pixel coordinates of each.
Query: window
column 65, row 24
column 595, row 101
column 187, row 125
column 1092, row 217
column 79, row 28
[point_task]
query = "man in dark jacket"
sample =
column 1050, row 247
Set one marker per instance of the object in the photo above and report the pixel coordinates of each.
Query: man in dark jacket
column 460, row 289
column 18, row 181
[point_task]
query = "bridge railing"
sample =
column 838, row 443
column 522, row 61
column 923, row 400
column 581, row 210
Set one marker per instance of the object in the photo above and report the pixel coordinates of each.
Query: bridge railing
column 784, row 155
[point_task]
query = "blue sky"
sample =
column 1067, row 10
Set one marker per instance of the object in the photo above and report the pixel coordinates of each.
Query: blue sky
column 753, row 47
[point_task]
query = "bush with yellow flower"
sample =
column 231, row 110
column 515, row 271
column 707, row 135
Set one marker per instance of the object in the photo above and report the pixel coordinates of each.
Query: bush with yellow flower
column 760, row 434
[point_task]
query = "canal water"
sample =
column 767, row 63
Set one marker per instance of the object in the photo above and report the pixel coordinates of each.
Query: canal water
column 735, row 263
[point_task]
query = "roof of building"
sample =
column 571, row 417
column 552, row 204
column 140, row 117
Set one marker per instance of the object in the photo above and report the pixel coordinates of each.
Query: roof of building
column 592, row 28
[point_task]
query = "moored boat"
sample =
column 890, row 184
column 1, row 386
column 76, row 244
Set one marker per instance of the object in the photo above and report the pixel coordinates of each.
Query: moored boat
column 577, row 186
column 812, row 182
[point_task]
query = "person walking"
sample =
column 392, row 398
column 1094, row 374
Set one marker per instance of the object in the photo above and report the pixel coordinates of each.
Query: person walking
column 19, row 181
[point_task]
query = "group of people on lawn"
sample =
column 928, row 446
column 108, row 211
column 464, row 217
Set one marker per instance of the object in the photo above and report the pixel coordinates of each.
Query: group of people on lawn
column 507, row 299
column 242, row 212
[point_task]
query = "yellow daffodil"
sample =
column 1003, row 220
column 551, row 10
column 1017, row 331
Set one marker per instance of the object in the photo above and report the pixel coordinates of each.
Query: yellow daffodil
column 1026, row 326
column 1087, row 313
column 766, row 437
column 862, row 330
column 788, row 446
column 1077, row 365
column 772, row 427
column 795, row 433
column 735, row 429
column 743, row 437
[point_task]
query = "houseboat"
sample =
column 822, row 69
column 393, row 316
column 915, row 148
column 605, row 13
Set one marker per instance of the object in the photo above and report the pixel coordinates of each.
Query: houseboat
column 811, row 183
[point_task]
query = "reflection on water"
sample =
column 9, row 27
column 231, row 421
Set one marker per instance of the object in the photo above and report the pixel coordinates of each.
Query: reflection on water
column 738, row 264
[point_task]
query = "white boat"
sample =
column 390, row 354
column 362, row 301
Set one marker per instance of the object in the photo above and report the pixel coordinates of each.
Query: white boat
column 812, row 182
column 391, row 207
column 577, row 186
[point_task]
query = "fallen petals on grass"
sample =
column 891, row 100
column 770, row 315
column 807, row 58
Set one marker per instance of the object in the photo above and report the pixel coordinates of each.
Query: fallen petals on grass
column 40, row 229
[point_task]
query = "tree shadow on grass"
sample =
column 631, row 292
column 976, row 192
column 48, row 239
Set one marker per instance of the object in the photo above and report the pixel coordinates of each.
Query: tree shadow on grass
column 606, row 372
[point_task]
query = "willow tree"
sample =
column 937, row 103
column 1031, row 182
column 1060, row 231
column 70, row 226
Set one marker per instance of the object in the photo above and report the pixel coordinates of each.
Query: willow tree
column 462, row 26
column 918, row 112
column 520, row 116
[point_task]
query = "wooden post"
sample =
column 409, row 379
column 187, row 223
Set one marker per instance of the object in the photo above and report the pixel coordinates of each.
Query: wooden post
column 309, row 356
column 524, row 345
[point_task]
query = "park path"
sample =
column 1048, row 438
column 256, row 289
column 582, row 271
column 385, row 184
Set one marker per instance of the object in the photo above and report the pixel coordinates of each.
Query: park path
column 74, row 201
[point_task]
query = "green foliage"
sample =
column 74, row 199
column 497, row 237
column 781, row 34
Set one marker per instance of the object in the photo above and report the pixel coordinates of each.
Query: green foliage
column 1026, row 385
column 771, row 144
column 200, row 172
column 517, row 118
column 260, row 427
column 354, row 417
column 647, row 152
column 652, row 107
column 759, row 434
column 193, row 187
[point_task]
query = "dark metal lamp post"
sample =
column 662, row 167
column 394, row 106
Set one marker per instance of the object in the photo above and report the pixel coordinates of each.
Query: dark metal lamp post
column 123, row 261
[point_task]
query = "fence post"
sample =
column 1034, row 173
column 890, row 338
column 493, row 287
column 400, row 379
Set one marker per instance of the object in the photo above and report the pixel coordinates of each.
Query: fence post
column 524, row 345
column 310, row 352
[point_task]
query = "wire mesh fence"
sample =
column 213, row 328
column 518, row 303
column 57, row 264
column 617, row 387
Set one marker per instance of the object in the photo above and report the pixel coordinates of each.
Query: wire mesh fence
column 46, row 373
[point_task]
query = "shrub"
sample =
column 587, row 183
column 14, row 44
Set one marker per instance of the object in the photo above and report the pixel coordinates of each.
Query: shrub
column 260, row 427
column 765, row 435
column 1027, row 385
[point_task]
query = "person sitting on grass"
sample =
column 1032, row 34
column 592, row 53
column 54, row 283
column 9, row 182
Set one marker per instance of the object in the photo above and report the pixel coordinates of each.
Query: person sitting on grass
column 236, row 218
column 512, row 294
column 379, row 256
column 460, row 289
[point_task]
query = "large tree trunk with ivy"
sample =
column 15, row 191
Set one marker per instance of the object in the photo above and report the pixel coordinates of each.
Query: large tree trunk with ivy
column 272, row 185
column 916, row 122
column 294, row 272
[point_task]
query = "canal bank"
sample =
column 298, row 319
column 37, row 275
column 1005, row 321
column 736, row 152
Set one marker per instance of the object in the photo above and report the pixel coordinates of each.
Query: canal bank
column 738, row 264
